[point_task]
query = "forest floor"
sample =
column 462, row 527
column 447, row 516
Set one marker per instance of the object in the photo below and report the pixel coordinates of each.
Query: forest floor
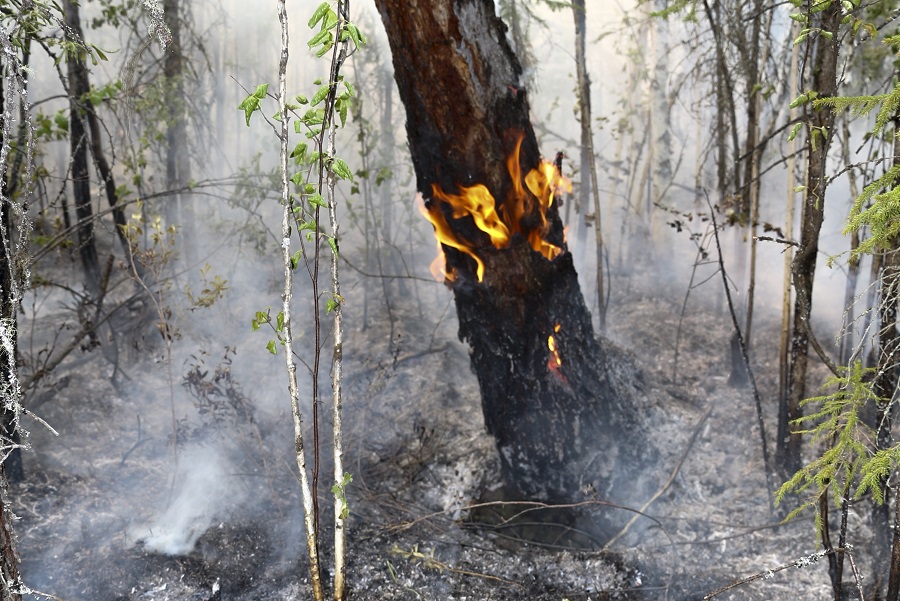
column 112, row 510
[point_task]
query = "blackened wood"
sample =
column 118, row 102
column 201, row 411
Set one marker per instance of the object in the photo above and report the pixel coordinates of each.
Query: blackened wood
column 79, row 143
column 559, row 431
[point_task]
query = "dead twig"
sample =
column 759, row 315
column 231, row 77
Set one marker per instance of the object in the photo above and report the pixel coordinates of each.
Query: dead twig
column 746, row 358
column 800, row 563
column 778, row 240
column 668, row 483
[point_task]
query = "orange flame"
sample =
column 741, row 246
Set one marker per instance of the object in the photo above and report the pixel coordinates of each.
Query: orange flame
column 554, row 362
column 523, row 213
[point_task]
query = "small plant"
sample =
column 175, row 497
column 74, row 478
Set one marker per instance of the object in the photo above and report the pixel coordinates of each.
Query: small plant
column 309, row 171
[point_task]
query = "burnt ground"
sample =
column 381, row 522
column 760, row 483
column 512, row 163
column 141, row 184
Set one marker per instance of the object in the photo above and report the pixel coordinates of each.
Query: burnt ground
column 113, row 510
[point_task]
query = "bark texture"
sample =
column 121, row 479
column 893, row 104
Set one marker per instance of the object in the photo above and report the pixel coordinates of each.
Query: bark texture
column 558, row 431
column 10, row 579
column 804, row 267
column 79, row 142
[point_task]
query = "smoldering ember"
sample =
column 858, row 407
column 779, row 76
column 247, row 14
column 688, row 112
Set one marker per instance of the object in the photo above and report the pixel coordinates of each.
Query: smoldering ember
column 449, row 300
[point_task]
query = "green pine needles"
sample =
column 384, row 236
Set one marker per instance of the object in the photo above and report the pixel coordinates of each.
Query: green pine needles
column 849, row 444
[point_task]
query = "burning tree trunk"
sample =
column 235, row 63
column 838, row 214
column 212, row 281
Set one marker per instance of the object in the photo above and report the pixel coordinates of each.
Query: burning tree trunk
column 548, row 394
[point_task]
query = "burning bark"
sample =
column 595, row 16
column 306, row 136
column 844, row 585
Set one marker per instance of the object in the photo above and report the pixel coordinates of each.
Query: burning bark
column 548, row 397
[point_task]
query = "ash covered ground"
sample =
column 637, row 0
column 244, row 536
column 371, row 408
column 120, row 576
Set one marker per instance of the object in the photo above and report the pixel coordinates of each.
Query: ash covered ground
column 113, row 510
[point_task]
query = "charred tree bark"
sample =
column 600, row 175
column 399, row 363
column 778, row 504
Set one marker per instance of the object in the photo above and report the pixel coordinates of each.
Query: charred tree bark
column 106, row 174
column 804, row 266
column 87, row 115
column 558, row 429
column 79, row 143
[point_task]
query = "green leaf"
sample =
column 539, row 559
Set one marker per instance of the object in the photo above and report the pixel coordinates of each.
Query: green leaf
column 297, row 178
column 317, row 201
column 331, row 19
column 272, row 348
column 328, row 46
column 330, row 305
column 794, row 131
column 342, row 106
column 319, row 38
column 302, row 99
column 295, row 258
column 320, row 94
column 299, row 152
column 332, row 242
column 351, row 31
column 99, row 53
column 319, row 13
column 340, row 168
column 260, row 318
column 308, row 225
column 799, row 101
column 279, row 321
column 249, row 104
column 261, row 90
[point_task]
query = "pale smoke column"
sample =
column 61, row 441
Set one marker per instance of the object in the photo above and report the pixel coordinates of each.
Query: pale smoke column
column 199, row 498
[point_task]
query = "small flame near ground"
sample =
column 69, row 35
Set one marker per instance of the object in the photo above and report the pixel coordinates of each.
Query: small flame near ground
column 554, row 362
column 524, row 212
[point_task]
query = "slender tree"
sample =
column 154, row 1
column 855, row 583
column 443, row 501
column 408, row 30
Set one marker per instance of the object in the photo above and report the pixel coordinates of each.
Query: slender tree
column 178, row 160
column 824, row 81
column 80, row 147
column 588, row 170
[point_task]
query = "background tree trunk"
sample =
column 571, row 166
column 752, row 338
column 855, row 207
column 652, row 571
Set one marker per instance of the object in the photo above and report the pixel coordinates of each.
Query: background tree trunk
column 588, row 170
column 79, row 144
column 180, row 209
column 804, row 267
column 555, row 428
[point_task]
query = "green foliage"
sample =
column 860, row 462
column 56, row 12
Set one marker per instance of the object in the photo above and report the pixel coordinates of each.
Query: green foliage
column 863, row 105
column 876, row 472
column 339, row 490
column 213, row 289
column 250, row 104
column 849, row 440
column 676, row 7
column 878, row 207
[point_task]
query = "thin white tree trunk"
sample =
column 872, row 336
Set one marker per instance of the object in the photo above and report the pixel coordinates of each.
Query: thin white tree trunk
column 287, row 220
column 340, row 498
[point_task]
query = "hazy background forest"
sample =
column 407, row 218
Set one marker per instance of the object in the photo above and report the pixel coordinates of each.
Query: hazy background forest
column 143, row 279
